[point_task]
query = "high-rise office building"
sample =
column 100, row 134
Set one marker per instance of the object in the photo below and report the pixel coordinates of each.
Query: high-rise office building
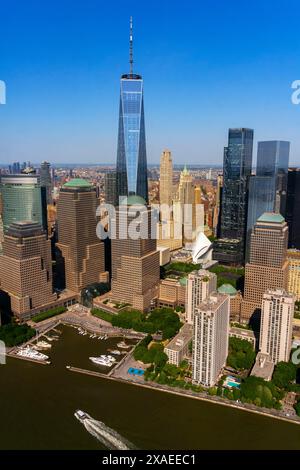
column 277, row 325
column 293, row 207
column 268, row 264
column 110, row 188
column 46, row 180
column 166, row 178
column 236, row 172
column 293, row 257
column 16, row 168
column 186, row 189
column 273, row 161
column 210, row 339
column 261, row 199
column 200, row 285
column 186, row 199
column 218, row 207
column 81, row 250
column 131, row 153
column 1, row 223
column 23, row 198
column 135, row 259
column 26, row 268
column 166, row 229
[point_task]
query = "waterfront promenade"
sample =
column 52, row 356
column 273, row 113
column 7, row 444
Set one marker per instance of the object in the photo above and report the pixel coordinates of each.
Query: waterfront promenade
column 190, row 394
column 81, row 317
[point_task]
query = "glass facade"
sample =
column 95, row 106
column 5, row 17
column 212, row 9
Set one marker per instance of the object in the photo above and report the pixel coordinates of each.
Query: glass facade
column 260, row 200
column 22, row 200
column 293, row 207
column 46, row 181
column 236, row 170
column 273, row 160
column 131, row 154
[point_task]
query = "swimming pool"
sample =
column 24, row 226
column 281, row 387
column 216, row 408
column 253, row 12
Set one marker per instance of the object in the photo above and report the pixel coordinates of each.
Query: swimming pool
column 133, row 371
column 233, row 384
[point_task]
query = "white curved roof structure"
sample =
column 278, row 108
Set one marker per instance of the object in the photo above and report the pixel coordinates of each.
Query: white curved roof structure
column 202, row 249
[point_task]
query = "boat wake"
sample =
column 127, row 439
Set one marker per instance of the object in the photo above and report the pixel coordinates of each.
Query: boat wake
column 107, row 436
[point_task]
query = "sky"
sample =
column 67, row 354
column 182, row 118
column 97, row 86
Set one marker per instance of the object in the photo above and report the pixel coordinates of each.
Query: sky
column 207, row 66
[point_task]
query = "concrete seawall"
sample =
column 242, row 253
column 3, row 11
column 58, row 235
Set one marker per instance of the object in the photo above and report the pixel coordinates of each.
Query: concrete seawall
column 184, row 394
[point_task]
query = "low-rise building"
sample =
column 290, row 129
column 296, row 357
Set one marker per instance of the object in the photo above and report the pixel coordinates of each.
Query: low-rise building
column 164, row 255
column 242, row 333
column 172, row 292
column 263, row 367
column 235, row 300
column 177, row 348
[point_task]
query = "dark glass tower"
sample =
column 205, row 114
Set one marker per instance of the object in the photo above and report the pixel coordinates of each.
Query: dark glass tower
column 131, row 153
column 273, row 161
column 293, row 207
column 261, row 199
column 110, row 187
column 237, row 170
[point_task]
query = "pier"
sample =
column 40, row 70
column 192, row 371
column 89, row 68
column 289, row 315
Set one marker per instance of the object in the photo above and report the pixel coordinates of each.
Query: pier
column 15, row 356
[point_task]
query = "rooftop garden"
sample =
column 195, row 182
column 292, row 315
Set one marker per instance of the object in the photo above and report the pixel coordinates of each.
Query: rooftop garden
column 178, row 268
column 229, row 275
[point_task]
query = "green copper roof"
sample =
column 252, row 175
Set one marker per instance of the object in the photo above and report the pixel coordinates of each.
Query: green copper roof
column 271, row 217
column 227, row 289
column 133, row 201
column 183, row 281
column 77, row 183
column 185, row 171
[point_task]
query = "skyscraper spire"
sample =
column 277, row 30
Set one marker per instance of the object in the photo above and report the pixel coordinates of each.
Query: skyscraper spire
column 131, row 48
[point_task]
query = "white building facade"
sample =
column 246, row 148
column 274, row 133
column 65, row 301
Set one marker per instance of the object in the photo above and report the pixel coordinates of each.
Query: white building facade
column 277, row 324
column 200, row 285
column 210, row 339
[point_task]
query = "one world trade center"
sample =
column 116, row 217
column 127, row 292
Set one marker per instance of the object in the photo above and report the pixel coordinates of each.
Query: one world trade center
column 131, row 177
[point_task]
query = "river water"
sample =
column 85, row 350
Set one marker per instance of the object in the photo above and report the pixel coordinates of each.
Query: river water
column 37, row 406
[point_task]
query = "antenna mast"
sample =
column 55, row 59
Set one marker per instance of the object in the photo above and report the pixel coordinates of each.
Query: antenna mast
column 131, row 48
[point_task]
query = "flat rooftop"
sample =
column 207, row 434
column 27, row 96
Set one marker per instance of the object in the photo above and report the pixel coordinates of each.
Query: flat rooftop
column 181, row 339
column 212, row 303
column 263, row 367
column 242, row 331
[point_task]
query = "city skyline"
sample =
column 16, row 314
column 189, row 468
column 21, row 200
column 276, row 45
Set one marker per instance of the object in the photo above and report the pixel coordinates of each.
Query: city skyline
column 149, row 229
column 60, row 88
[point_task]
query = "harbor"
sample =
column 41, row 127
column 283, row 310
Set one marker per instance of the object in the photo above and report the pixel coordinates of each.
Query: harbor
column 142, row 414
column 80, row 319
column 117, row 363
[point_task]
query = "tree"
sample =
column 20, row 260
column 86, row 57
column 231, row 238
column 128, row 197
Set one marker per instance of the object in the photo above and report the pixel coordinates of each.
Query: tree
column 297, row 408
column 160, row 358
column 184, row 364
column 284, row 374
column 171, row 370
column 241, row 354
column 253, row 388
column 13, row 334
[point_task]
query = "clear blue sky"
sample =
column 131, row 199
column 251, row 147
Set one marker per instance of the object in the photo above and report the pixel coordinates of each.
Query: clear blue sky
column 207, row 66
